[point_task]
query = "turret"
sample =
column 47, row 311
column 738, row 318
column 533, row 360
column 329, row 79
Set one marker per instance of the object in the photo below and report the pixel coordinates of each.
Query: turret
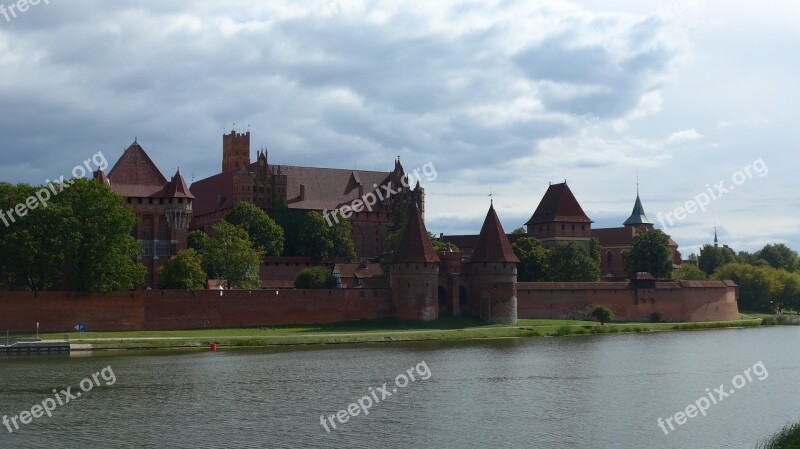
column 414, row 272
column 493, row 274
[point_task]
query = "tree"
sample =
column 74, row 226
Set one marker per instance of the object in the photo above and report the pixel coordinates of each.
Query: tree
column 184, row 272
column 759, row 287
column 315, row 278
column 232, row 254
column 263, row 230
column 650, row 253
column 341, row 235
column 78, row 240
column 440, row 246
column 568, row 262
column 603, row 315
column 779, row 256
column 533, row 259
column 689, row 272
column 519, row 230
column 197, row 240
column 314, row 239
column 713, row 257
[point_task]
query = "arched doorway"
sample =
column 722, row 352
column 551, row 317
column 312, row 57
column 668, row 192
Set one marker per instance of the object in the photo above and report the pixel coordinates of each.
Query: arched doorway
column 444, row 304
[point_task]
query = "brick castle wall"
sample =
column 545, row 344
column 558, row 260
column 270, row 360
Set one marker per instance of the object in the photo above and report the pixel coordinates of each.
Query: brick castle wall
column 157, row 310
column 676, row 301
column 162, row 310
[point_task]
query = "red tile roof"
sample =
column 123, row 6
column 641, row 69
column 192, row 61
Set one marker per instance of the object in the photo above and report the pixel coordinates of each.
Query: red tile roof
column 324, row 188
column 415, row 242
column 135, row 174
column 492, row 244
column 558, row 205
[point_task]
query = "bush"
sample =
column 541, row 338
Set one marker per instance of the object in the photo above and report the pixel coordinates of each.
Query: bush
column 655, row 317
column 781, row 320
column 603, row 314
column 315, row 278
column 786, row 438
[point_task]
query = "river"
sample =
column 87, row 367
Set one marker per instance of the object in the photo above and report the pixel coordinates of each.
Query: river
column 601, row 391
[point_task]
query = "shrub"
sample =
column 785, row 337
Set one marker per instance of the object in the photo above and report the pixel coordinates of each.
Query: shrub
column 655, row 317
column 786, row 438
column 315, row 278
column 603, row 314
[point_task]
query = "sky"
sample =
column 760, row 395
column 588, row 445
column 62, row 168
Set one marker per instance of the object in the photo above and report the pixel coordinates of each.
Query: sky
column 697, row 99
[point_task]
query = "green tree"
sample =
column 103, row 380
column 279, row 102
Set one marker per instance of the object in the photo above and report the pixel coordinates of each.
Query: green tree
column 232, row 254
column 603, row 315
column 568, row 262
column 789, row 295
column 440, row 246
column 712, row 257
column 759, row 287
column 262, row 229
column 779, row 256
column 341, row 236
column 315, row 278
column 689, row 272
column 197, row 240
column 533, row 259
column 80, row 241
column 291, row 221
column 650, row 253
column 314, row 239
column 183, row 272
column 519, row 230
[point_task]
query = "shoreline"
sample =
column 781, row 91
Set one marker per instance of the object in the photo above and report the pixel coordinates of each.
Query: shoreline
column 372, row 337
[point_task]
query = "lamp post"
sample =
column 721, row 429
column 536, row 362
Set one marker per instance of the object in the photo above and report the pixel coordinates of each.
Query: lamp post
column 37, row 329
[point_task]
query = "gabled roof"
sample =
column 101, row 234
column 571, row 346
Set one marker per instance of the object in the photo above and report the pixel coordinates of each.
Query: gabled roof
column 638, row 216
column 177, row 188
column 415, row 244
column 135, row 174
column 492, row 244
column 558, row 205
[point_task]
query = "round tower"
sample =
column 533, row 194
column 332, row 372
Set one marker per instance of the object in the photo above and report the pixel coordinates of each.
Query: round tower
column 493, row 273
column 414, row 272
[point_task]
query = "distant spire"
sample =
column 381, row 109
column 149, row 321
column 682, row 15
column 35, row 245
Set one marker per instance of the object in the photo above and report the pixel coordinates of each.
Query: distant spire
column 716, row 241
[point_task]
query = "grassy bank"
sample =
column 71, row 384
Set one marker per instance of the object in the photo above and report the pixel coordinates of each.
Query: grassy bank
column 381, row 330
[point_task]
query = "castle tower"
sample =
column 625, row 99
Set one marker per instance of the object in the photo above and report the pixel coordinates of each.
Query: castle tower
column 493, row 274
column 235, row 151
column 560, row 218
column 414, row 272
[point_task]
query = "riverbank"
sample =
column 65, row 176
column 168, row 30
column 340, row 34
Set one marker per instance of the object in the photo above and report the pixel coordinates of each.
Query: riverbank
column 385, row 330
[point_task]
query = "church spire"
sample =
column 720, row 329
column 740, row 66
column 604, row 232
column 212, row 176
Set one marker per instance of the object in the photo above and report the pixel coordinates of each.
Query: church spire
column 716, row 241
column 638, row 217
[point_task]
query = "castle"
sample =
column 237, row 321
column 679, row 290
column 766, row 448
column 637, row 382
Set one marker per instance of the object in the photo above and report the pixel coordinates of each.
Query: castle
column 420, row 284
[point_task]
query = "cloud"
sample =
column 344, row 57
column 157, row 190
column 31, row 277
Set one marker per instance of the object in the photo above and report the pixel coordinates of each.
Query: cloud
column 684, row 136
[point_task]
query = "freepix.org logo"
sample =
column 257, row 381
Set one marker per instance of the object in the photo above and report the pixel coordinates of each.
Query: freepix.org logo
column 10, row 12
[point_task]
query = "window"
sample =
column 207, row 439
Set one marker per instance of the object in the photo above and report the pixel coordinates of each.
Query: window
column 562, row 227
column 609, row 257
column 163, row 233
column 147, row 233
column 573, row 227
column 360, row 281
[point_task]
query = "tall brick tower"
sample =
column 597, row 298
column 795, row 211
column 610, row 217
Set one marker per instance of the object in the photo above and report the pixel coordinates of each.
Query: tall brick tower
column 414, row 272
column 560, row 218
column 235, row 151
column 493, row 273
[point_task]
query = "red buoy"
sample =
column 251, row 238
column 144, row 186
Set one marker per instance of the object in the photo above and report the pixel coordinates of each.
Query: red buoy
column 213, row 347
